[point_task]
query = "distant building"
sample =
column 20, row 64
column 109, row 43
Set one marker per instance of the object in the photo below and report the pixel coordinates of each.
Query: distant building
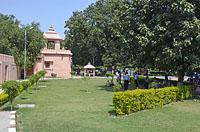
column 54, row 60
column 8, row 68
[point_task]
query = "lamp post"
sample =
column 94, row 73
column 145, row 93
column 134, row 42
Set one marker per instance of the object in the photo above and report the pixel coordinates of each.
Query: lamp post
column 25, row 49
column 24, row 54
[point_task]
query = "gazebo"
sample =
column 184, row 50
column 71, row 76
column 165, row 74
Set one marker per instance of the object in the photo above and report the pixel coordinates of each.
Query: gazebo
column 89, row 69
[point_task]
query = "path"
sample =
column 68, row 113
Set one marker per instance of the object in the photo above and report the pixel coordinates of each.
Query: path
column 4, row 121
column 7, row 121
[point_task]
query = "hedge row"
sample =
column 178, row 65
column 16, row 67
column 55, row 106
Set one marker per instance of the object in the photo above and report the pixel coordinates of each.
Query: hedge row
column 140, row 99
column 14, row 88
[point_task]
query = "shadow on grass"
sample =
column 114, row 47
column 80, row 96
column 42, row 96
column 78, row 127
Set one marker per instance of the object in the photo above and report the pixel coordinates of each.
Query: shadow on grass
column 112, row 113
column 24, row 98
column 31, row 93
column 106, row 88
column 42, row 80
column 7, row 108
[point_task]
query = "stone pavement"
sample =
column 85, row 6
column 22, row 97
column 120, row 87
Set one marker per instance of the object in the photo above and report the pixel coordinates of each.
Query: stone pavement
column 7, row 121
column 4, row 121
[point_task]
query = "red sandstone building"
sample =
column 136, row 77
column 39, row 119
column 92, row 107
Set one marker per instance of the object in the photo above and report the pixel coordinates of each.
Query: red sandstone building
column 8, row 68
column 56, row 61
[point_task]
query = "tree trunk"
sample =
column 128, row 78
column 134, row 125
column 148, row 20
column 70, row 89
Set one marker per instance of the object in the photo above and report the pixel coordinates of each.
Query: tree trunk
column 11, row 105
column 180, row 77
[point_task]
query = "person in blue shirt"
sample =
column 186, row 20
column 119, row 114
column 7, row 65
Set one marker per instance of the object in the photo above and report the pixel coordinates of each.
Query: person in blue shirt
column 126, row 80
column 136, row 76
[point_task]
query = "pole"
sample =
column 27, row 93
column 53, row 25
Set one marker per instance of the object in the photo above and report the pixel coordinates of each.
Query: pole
column 25, row 54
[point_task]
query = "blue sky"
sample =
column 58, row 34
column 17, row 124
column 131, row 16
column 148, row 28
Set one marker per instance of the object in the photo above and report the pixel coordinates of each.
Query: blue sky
column 46, row 12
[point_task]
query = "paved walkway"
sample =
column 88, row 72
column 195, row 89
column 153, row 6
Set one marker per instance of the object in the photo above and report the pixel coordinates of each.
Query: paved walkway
column 4, row 121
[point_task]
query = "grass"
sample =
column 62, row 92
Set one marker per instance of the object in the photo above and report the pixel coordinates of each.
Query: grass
column 85, row 105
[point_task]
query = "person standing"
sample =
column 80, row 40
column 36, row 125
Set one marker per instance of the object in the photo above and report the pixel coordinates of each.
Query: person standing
column 146, row 82
column 126, row 80
column 118, row 77
column 136, row 76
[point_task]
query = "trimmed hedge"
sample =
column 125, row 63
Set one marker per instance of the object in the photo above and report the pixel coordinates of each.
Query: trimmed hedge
column 19, row 87
column 26, row 84
column 140, row 99
column 35, row 77
column 3, row 98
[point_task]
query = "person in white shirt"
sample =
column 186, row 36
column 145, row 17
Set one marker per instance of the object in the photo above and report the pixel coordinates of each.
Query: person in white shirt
column 126, row 80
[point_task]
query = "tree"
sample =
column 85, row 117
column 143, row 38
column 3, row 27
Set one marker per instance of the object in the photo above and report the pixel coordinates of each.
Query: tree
column 162, row 34
column 35, row 43
column 8, row 32
column 12, row 40
column 174, row 43
column 12, row 89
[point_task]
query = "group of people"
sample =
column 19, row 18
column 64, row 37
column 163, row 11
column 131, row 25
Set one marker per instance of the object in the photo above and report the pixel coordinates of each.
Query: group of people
column 126, row 79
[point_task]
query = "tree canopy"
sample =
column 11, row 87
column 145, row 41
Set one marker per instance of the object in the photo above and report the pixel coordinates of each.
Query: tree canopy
column 163, row 34
column 12, row 40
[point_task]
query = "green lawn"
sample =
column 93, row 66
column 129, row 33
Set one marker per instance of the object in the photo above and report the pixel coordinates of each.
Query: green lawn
column 86, row 106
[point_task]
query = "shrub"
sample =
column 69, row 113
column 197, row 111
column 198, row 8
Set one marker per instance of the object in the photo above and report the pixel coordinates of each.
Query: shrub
column 20, row 88
column 132, row 81
column 26, row 84
column 35, row 77
column 185, row 92
column 12, row 88
column 140, row 99
column 117, row 88
column 32, row 79
column 3, row 98
column 42, row 73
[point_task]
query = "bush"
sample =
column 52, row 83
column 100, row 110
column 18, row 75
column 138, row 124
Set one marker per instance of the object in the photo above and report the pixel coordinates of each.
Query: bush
column 132, row 80
column 12, row 88
column 35, row 77
column 20, row 89
column 41, row 73
column 185, row 92
column 32, row 79
column 3, row 98
column 117, row 88
column 26, row 84
column 140, row 99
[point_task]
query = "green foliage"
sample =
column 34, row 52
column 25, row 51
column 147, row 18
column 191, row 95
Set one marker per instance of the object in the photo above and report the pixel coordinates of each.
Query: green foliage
column 26, row 84
column 144, row 32
column 139, row 99
column 35, row 77
column 12, row 40
column 41, row 73
column 12, row 88
column 132, row 80
column 117, row 88
column 185, row 92
column 3, row 98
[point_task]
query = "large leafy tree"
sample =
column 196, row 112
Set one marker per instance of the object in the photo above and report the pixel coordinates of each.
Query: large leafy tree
column 163, row 34
column 8, row 32
column 174, row 43
column 12, row 39
column 91, row 33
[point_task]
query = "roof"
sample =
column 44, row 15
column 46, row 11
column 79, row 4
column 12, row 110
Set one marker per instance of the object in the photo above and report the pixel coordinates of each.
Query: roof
column 52, row 34
column 89, row 66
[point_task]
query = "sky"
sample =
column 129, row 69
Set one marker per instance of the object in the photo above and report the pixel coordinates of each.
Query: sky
column 46, row 12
